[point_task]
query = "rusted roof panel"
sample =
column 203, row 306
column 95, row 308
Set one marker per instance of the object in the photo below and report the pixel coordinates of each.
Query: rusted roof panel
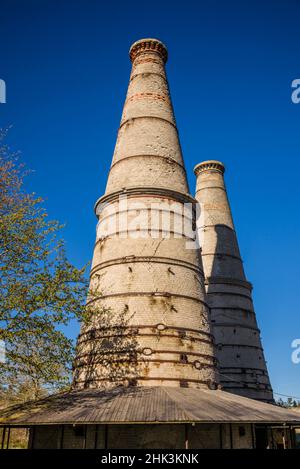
column 145, row 404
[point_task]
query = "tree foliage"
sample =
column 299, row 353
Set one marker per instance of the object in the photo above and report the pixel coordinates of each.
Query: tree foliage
column 40, row 293
column 40, row 290
column 289, row 403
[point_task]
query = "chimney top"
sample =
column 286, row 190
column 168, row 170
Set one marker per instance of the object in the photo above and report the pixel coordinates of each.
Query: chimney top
column 209, row 165
column 148, row 44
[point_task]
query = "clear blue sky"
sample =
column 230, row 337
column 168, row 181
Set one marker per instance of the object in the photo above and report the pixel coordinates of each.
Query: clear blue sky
column 230, row 69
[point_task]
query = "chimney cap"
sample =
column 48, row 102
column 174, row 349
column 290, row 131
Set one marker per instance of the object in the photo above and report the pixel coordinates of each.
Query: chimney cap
column 209, row 165
column 148, row 44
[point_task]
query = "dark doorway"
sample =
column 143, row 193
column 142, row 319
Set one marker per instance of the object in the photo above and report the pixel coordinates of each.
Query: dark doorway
column 261, row 437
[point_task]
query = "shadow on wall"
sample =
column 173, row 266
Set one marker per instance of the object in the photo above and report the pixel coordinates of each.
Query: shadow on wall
column 227, row 261
column 107, row 350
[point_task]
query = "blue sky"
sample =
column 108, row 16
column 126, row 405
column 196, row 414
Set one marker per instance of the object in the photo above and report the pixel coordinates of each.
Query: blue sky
column 230, row 70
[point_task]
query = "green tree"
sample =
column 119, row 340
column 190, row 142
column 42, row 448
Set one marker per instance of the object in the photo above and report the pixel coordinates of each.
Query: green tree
column 40, row 290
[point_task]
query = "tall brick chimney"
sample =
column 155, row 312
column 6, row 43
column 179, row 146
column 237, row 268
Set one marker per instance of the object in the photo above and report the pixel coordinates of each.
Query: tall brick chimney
column 238, row 346
column 154, row 279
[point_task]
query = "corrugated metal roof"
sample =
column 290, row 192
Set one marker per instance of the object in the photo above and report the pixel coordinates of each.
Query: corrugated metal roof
column 145, row 404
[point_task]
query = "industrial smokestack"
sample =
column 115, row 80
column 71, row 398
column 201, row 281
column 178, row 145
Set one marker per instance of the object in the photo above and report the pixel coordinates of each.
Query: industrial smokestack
column 145, row 271
column 238, row 346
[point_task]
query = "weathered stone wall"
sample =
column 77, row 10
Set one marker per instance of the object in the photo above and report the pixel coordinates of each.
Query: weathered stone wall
column 146, row 436
column 45, row 437
column 150, row 436
column 238, row 346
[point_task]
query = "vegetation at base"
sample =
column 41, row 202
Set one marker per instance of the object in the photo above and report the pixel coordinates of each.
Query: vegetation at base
column 40, row 291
